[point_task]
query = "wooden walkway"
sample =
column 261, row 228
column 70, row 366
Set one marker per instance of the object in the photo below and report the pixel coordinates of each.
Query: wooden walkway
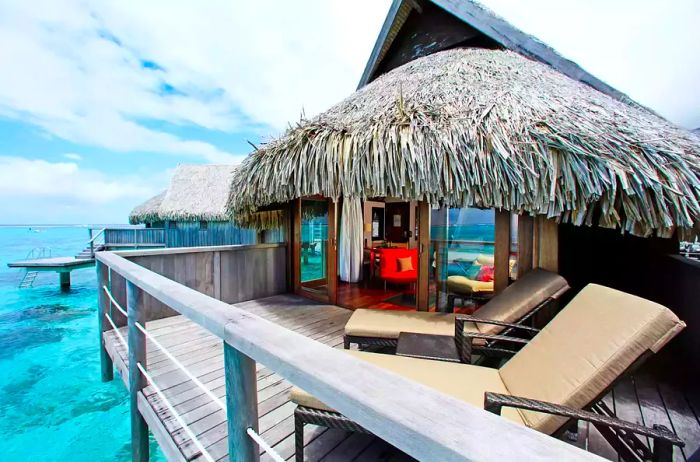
column 640, row 399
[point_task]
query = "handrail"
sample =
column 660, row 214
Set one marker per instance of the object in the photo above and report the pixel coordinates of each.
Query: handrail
column 99, row 233
column 419, row 420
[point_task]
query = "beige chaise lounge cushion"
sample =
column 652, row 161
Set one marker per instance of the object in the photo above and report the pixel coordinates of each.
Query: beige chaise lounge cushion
column 389, row 324
column 513, row 303
column 464, row 285
column 590, row 343
column 462, row 381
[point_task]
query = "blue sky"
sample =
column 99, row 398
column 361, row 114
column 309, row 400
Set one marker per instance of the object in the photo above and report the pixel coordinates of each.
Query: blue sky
column 100, row 100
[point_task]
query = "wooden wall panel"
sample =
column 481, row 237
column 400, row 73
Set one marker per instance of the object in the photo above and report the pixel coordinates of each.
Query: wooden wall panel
column 253, row 273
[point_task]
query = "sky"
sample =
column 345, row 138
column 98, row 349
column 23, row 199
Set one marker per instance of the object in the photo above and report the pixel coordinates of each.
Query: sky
column 100, row 100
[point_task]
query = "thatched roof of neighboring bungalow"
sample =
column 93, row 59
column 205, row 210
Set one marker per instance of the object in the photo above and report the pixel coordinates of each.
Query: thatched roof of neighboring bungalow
column 196, row 193
column 148, row 211
column 488, row 128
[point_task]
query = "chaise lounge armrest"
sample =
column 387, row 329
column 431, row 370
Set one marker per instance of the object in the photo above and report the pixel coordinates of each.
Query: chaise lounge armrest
column 491, row 345
column 462, row 318
column 664, row 439
column 491, row 342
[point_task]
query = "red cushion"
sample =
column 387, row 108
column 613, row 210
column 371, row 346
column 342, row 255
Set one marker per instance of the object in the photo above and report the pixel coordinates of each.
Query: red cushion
column 485, row 274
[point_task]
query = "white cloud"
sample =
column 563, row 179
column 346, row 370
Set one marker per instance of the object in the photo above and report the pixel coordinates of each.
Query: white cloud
column 73, row 156
column 94, row 72
column 20, row 177
column 38, row 191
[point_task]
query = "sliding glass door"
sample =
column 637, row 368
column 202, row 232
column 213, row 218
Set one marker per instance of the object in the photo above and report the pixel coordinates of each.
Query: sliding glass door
column 315, row 249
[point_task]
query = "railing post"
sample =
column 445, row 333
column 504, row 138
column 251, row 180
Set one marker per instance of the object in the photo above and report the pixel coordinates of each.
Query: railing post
column 137, row 354
column 107, row 370
column 92, row 247
column 241, row 404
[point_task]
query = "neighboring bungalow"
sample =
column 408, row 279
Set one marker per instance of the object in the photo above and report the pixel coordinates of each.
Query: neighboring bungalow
column 194, row 210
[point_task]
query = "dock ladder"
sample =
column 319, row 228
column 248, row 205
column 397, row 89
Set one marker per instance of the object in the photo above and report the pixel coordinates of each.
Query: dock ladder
column 28, row 277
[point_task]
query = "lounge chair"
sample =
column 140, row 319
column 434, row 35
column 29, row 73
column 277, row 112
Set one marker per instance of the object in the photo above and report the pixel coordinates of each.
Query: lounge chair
column 559, row 375
column 517, row 303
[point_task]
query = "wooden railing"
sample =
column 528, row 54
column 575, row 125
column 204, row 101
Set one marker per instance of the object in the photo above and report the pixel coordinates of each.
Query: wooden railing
column 420, row 421
column 115, row 237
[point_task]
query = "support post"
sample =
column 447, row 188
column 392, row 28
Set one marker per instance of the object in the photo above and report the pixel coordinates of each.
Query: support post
column 525, row 244
column 137, row 354
column 241, row 405
column 64, row 277
column 423, row 285
column 502, row 251
column 549, row 244
column 106, row 367
column 92, row 244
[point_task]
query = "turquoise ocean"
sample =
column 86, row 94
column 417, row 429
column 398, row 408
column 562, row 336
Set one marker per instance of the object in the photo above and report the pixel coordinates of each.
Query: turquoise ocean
column 53, row 406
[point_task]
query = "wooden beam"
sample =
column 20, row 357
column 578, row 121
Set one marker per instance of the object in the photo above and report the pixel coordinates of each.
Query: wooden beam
column 241, row 404
column 296, row 245
column 106, row 365
column 332, row 253
column 423, row 284
column 548, row 244
column 502, row 251
column 137, row 382
column 525, row 244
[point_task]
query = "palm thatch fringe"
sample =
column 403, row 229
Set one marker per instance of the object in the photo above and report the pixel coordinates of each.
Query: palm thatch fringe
column 148, row 211
column 490, row 129
column 261, row 220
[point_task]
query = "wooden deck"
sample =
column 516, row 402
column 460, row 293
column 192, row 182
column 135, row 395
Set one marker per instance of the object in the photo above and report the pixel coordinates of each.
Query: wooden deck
column 639, row 399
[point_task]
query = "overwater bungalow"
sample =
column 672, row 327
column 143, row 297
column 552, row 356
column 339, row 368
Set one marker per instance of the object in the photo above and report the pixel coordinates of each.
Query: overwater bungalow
column 578, row 326
column 193, row 211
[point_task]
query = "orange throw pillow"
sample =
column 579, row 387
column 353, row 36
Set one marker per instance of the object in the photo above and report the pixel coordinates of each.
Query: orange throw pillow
column 405, row 264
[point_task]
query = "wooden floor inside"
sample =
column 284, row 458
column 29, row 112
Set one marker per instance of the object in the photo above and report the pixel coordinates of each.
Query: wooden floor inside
column 641, row 399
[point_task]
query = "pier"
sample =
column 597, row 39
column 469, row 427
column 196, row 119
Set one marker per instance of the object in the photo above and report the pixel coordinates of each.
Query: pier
column 61, row 265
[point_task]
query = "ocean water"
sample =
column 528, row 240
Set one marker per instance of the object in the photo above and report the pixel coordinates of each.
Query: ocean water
column 53, row 406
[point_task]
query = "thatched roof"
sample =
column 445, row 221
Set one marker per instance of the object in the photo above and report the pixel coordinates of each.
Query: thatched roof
column 487, row 128
column 196, row 193
column 148, row 211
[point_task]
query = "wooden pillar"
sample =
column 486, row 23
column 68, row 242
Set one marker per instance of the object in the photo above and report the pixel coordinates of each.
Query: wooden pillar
column 117, row 287
column 548, row 244
column 332, row 256
column 64, row 277
column 241, row 404
column 525, row 244
column 137, row 382
column 501, row 251
column 296, row 245
column 440, row 244
column 423, row 285
column 106, row 366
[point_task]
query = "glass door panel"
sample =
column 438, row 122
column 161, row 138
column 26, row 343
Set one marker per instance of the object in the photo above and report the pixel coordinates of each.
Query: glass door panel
column 314, row 246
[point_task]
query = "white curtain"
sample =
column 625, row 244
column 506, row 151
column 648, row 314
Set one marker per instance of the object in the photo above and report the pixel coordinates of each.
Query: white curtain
column 350, row 249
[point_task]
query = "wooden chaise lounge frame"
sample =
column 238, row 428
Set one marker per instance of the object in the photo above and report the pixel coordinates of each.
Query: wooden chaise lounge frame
column 621, row 434
column 556, row 287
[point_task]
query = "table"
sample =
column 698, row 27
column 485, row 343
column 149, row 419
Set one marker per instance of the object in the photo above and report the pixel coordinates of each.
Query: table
column 426, row 346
